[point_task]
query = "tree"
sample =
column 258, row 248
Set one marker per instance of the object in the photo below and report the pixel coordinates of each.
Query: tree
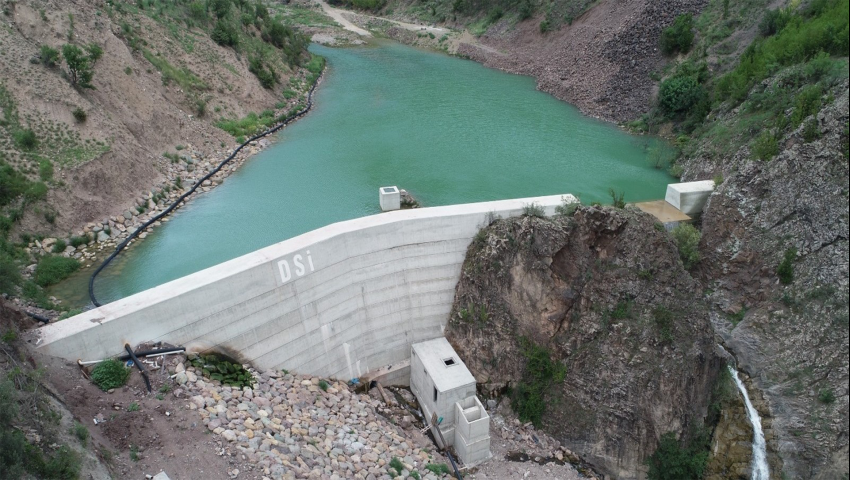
column 678, row 37
column 80, row 70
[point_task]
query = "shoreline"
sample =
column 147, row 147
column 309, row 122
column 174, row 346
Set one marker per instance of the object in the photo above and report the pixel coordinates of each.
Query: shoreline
column 106, row 235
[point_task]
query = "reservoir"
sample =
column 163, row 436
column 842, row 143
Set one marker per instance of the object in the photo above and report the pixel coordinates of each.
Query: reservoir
column 446, row 129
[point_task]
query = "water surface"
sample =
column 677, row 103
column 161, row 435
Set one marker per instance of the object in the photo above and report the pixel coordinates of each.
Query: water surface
column 446, row 129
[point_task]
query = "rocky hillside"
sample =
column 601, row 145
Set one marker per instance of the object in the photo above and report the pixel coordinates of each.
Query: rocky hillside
column 594, row 317
column 105, row 104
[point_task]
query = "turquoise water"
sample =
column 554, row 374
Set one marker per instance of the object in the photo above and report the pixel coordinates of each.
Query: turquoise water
column 446, row 129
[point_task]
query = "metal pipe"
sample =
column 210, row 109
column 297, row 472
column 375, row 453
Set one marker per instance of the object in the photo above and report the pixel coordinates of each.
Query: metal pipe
column 148, row 353
column 139, row 366
column 38, row 317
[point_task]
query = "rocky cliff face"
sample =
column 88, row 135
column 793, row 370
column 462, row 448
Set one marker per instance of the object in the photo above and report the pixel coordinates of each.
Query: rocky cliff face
column 605, row 293
column 791, row 339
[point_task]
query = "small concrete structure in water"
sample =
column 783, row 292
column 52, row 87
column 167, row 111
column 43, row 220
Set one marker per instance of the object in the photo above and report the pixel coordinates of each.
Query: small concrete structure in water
column 445, row 389
column 390, row 198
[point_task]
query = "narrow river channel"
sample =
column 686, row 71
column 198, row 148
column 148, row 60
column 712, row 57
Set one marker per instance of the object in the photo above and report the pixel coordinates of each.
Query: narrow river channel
column 447, row 129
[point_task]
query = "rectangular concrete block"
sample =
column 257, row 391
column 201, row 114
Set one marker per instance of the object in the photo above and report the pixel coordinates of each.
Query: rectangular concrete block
column 689, row 197
column 390, row 198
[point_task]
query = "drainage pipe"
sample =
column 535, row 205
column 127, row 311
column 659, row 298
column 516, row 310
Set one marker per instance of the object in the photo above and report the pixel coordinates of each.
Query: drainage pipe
column 197, row 184
column 38, row 317
column 139, row 366
column 150, row 353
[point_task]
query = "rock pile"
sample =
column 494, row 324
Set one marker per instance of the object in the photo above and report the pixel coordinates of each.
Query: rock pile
column 293, row 426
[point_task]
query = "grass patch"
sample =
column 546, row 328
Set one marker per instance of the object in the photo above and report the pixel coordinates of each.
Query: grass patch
column 109, row 374
column 51, row 269
column 249, row 125
column 183, row 77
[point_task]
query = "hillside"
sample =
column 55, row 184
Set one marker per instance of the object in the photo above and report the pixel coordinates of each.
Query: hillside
column 754, row 96
column 106, row 105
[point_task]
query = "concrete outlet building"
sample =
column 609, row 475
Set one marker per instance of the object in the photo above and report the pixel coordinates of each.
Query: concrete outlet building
column 443, row 385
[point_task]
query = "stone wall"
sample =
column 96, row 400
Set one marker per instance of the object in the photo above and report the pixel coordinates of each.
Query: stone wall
column 335, row 302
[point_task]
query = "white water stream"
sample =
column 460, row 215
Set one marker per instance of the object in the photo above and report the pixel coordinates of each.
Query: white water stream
column 760, row 469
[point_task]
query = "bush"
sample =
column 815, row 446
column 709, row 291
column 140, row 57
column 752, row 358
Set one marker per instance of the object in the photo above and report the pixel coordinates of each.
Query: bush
column 617, row 199
column 774, row 21
column 396, row 464
column 567, row 208
column 533, row 210
column 766, row 146
column 109, row 374
column 225, row 34
column 45, row 169
column 79, row 115
column 785, row 270
column 679, row 36
column 811, row 131
column 10, row 275
column 670, row 461
column 807, row 103
column 826, row 395
column 664, row 322
column 438, row 468
column 51, row 270
column 25, row 139
column 679, row 94
column 541, row 372
column 49, row 56
column 59, row 246
column 687, row 240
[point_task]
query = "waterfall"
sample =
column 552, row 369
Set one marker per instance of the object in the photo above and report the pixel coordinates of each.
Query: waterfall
column 759, row 464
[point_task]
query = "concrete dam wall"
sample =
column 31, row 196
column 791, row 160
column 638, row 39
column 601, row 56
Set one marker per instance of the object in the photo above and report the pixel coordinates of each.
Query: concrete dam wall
column 337, row 302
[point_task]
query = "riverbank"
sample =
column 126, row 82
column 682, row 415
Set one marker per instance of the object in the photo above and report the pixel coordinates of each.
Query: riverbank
column 97, row 240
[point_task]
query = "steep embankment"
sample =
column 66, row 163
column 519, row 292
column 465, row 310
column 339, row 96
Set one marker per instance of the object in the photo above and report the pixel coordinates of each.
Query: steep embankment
column 601, row 301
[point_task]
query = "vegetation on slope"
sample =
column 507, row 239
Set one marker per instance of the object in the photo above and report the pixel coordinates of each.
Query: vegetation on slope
column 797, row 59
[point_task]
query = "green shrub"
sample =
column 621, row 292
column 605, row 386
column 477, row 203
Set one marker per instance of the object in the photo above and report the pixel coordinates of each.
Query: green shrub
column 133, row 407
column 766, row 146
column 567, row 208
column 225, row 34
column 785, row 270
column 59, row 246
column 664, row 322
column 10, row 274
column 79, row 115
column 45, row 169
column 671, row 461
column 679, row 36
column 81, row 432
column 687, row 240
column 807, row 103
column 679, row 94
column 774, row 21
column 617, row 199
column 826, row 395
column 811, row 131
column 109, row 374
column 51, row 269
column 541, row 372
column 438, row 468
column 49, row 56
column 324, row 386
column 533, row 210
column 396, row 464
column 77, row 241
column 25, row 139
